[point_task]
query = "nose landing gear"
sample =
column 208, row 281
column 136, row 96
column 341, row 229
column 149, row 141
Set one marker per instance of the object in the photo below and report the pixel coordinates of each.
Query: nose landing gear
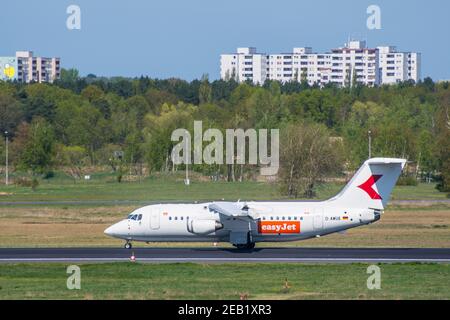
column 127, row 245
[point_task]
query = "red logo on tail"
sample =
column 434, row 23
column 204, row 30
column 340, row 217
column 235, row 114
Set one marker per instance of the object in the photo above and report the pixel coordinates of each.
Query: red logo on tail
column 367, row 187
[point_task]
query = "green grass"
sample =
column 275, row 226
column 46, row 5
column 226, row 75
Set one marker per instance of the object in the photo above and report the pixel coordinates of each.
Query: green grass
column 145, row 191
column 224, row 281
column 80, row 226
column 103, row 187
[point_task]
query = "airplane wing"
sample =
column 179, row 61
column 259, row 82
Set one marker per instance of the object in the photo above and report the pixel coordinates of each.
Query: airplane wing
column 230, row 209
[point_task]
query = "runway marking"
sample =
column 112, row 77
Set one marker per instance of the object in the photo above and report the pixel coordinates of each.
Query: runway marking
column 228, row 259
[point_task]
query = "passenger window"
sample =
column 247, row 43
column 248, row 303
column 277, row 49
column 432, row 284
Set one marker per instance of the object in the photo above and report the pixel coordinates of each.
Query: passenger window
column 289, row 218
column 176, row 218
column 181, row 218
column 170, row 218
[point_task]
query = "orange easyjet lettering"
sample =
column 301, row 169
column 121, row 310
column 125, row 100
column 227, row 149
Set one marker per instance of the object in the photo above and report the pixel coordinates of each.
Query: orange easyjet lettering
column 275, row 227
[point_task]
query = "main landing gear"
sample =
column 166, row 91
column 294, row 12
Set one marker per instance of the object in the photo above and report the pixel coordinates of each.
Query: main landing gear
column 127, row 245
column 242, row 241
column 246, row 246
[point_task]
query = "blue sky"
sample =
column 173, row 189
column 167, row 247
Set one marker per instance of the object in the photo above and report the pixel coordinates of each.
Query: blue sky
column 184, row 38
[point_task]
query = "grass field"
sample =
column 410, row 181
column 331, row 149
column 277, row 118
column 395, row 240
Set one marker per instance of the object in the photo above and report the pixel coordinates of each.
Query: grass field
column 171, row 187
column 83, row 225
column 55, row 226
column 224, row 281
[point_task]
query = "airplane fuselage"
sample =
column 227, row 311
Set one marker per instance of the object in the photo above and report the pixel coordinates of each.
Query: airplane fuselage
column 271, row 221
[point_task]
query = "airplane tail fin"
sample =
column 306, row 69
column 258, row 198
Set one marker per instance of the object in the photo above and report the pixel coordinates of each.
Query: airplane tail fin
column 372, row 184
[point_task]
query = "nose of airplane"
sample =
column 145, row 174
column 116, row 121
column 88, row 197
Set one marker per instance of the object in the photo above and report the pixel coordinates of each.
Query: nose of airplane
column 109, row 231
column 116, row 230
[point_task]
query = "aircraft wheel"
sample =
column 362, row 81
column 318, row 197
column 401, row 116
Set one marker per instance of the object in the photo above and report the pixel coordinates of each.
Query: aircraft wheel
column 247, row 246
column 128, row 245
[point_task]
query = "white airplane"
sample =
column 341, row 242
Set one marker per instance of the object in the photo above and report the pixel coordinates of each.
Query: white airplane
column 361, row 202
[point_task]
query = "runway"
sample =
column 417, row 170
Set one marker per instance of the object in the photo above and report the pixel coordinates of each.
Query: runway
column 221, row 255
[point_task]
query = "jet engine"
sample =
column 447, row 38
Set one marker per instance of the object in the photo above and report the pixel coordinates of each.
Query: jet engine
column 203, row 226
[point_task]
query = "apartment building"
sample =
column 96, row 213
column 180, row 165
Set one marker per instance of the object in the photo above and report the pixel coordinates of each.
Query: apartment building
column 344, row 66
column 300, row 65
column 244, row 65
column 26, row 68
column 397, row 66
column 355, row 63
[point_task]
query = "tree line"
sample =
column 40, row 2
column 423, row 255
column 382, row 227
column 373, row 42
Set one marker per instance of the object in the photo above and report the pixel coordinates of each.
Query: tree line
column 78, row 122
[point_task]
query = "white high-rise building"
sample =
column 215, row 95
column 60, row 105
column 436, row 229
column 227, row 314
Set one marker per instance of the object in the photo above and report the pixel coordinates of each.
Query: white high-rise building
column 397, row 66
column 353, row 63
column 25, row 67
column 300, row 65
column 280, row 67
column 244, row 65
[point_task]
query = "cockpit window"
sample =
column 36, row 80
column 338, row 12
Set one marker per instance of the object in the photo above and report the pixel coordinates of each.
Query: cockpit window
column 135, row 217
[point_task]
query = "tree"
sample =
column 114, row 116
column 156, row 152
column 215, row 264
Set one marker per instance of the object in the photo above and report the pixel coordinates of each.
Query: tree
column 158, row 130
column 221, row 90
column 133, row 148
column 443, row 147
column 69, row 75
column 156, row 98
column 354, row 82
column 72, row 159
column 304, row 78
column 361, row 118
column 92, row 93
column 307, row 153
column 39, row 150
column 205, row 92
column 138, row 103
column 265, row 108
column 10, row 112
column 40, row 101
column 428, row 84
column 137, row 116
